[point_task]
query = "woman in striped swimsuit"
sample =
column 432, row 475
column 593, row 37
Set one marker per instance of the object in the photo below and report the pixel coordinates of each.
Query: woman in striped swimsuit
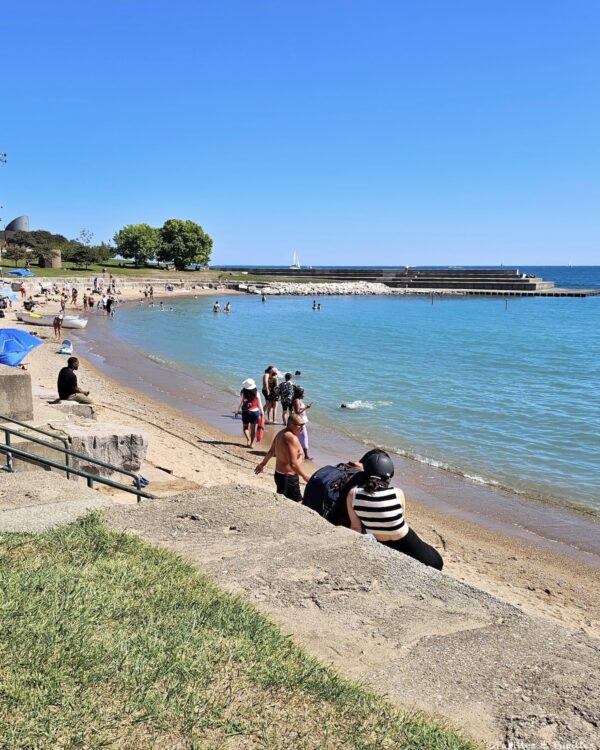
column 377, row 508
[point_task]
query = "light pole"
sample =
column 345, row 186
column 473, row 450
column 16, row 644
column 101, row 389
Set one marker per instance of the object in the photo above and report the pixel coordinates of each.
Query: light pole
column 2, row 161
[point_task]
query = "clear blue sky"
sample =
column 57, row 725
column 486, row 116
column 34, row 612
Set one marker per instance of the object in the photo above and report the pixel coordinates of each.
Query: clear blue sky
column 428, row 132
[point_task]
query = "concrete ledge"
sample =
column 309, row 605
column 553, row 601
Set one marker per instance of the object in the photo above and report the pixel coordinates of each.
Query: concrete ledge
column 15, row 393
column 425, row 639
column 72, row 408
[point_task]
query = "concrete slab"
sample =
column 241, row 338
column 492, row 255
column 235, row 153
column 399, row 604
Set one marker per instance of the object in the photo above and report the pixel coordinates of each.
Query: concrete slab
column 41, row 501
column 15, row 393
column 425, row 639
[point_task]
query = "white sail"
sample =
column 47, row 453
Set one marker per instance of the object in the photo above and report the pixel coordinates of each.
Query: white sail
column 295, row 261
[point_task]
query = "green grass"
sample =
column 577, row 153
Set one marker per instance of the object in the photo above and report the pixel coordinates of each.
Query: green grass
column 117, row 268
column 109, row 642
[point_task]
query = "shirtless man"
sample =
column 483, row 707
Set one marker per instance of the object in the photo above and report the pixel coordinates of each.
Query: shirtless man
column 288, row 453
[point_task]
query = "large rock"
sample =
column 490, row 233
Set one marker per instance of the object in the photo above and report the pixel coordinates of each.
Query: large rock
column 15, row 393
column 113, row 443
column 73, row 408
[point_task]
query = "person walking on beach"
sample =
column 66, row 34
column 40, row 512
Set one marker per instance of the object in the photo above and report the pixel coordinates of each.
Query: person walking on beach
column 67, row 387
column 376, row 508
column 57, row 324
column 299, row 408
column 286, row 392
column 288, row 460
column 251, row 409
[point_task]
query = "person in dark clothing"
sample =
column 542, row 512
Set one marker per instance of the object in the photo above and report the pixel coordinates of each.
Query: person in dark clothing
column 68, row 390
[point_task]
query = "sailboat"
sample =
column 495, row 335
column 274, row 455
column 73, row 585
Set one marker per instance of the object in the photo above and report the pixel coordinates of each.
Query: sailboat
column 295, row 262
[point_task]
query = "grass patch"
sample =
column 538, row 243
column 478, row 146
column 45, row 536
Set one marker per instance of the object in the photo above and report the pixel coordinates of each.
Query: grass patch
column 109, row 642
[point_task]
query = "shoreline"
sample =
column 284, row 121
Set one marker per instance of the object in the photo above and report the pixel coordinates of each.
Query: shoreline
column 541, row 577
column 571, row 528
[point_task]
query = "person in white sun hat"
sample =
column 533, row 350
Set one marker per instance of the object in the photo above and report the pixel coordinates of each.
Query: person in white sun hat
column 251, row 409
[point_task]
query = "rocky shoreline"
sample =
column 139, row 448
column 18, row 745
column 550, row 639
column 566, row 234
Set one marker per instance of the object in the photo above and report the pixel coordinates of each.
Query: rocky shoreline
column 319, row 289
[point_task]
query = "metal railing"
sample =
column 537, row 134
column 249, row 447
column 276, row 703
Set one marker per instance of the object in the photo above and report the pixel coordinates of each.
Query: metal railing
column 11, row 450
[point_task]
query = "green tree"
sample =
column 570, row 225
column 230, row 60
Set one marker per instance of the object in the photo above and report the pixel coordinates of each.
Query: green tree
column 83, row 256
column 43, row 244
column 183, row 242
column 16, row 253
column 138, row 241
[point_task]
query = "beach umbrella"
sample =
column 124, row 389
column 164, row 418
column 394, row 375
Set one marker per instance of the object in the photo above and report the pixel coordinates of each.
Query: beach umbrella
column 20, row 272
column 15, row 345
column 9, row 294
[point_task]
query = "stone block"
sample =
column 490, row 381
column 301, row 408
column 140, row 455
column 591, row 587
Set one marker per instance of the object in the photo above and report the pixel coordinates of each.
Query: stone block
column 15, row 393
column 113, row 443
column 72, row 408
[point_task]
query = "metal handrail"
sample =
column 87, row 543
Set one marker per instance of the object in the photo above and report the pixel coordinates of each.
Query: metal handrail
column 53, row 435
column 91, row 478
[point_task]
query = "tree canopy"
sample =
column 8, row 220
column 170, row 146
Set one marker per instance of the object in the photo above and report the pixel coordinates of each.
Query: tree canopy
column 184, row 242
column 138, row 241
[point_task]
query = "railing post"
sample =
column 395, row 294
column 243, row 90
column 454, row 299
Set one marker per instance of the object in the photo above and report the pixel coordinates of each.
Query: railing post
column 90, row 482
column 9, row 457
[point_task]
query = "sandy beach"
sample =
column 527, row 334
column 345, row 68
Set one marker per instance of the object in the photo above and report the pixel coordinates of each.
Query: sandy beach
column 535, row 577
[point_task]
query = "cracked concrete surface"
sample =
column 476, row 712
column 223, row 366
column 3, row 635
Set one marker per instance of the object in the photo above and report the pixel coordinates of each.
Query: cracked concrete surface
column 425, row 639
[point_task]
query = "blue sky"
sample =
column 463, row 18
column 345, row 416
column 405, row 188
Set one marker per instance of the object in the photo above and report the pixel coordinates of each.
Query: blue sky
column 462, row 132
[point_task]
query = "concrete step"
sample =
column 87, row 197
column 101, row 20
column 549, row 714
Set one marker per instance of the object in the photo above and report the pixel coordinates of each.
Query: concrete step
column 43, row 501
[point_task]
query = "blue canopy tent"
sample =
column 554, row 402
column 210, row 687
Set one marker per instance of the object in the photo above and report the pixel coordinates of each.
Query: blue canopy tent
column 15, row 345
column 20, row 272
column 8, row 293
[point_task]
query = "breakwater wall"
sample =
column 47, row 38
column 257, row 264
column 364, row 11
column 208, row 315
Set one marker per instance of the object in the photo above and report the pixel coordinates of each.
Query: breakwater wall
column 484, row 279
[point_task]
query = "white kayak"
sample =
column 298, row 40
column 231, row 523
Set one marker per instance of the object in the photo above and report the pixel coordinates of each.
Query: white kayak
column 37, row 319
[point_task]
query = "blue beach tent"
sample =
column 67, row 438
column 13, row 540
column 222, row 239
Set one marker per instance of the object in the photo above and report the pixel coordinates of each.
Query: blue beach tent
column 21, row 272
column 9, row 294
column 15, row 345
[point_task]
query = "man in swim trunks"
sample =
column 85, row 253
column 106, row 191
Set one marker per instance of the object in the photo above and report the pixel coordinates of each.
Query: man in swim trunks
column 288, row 455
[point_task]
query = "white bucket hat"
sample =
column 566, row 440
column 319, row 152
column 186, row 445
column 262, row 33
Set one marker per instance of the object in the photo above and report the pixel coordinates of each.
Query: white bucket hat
column 248, row 384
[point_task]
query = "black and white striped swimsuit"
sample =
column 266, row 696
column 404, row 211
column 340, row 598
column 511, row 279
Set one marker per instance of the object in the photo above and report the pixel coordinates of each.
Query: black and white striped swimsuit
column 380, row 512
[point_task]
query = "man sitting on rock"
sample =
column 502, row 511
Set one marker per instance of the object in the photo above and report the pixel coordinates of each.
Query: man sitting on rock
column 68, row 390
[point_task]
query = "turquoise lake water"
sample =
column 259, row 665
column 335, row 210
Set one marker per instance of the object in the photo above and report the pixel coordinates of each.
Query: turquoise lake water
column 506, row 393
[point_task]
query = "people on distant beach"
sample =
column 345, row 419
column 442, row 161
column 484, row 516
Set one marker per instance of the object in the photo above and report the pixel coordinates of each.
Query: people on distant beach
column 300, row 409
column 85, row 301
column 286, row 393
column 288, row 460
column 217, row 307
column 270, row 390
column 68, row 389
column 74, row 296
column 375, row 507
column 251, row 409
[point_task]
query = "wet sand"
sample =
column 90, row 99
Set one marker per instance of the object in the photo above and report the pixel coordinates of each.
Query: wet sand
column 540, row 557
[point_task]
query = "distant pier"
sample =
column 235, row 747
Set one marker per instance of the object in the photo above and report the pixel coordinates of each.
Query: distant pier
column 468, row 281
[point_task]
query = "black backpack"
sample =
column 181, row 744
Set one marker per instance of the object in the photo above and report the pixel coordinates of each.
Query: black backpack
column 323, row 493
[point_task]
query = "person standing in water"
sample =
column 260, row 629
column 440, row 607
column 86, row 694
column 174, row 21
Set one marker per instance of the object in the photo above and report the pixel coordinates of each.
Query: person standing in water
column 299, row 408
column 286, row 392
column 270, row 390
column 228, row 307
